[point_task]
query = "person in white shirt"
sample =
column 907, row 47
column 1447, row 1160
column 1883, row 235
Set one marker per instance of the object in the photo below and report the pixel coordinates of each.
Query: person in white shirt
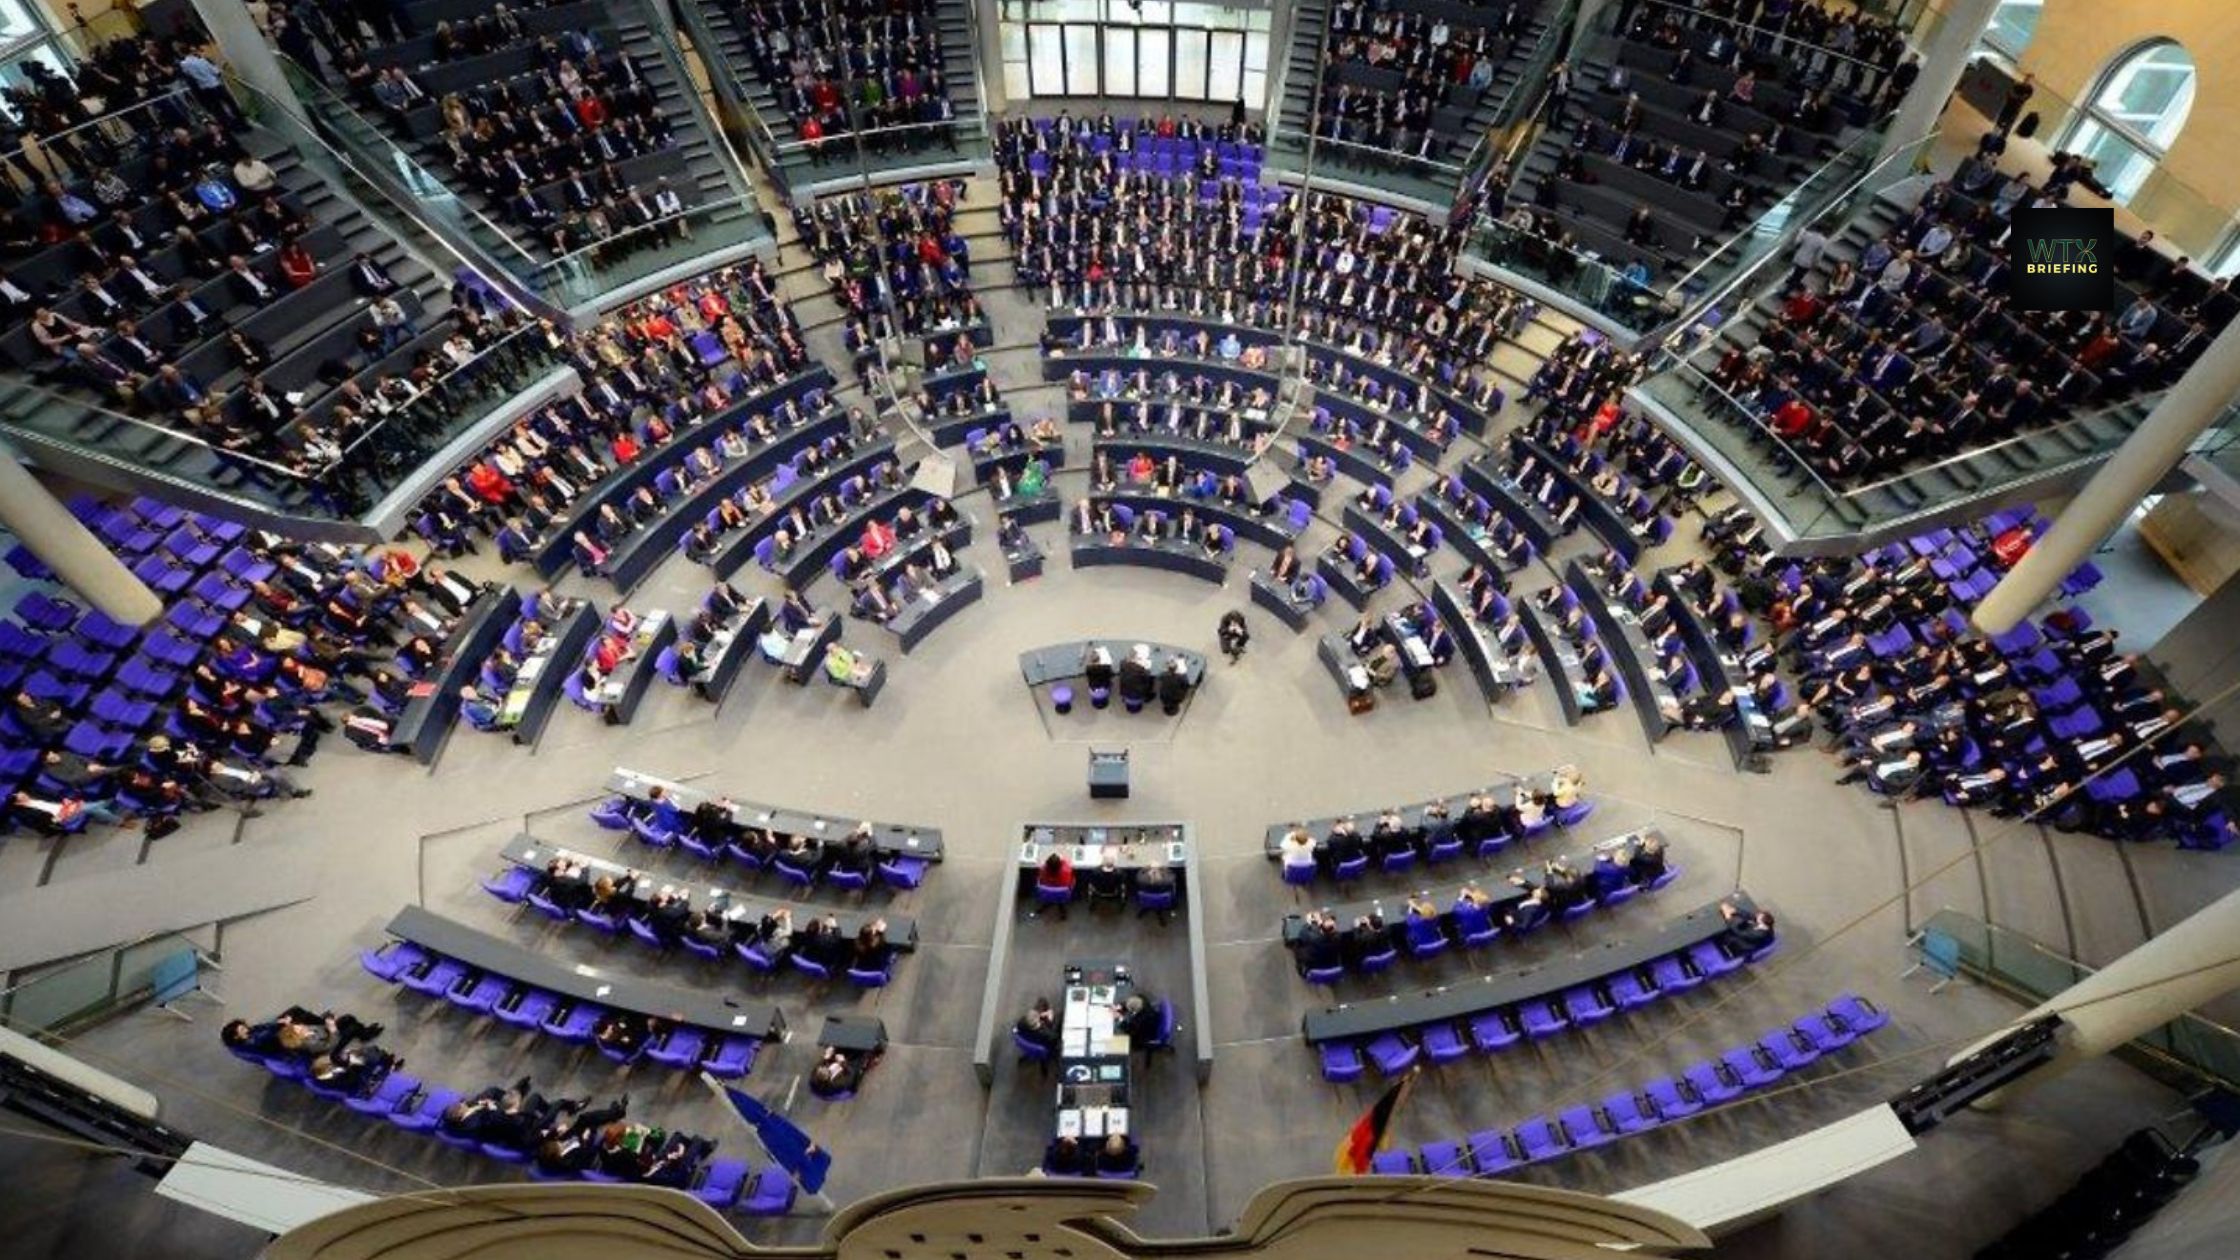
column 1296, row 849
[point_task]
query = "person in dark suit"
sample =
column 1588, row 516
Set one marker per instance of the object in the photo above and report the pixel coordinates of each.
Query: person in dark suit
column 1039, row 1025
column 1118, row 1155
column 1136, row 682
column 1745, row 933
column 1174, row 686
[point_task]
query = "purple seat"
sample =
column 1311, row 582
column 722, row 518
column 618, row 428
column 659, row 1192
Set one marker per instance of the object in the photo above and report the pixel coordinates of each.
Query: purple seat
column 1539, row 1019
column 435, row 981
column 1491, row 1031
column 1476, row 925
column 1788, row 1047
column 528, row 1009
column 1630, row 990
column 1425, row 940
column 1824, row 1033
column 1708, row 958
column 810, row 967
column 1381, row 961
column 386, row 1097
column 392, row 960
column 480, row 997
column 1446, row 1159
column 1492, row 1151
column 573, row 1024
column 733, row 1058
column 773, row 1193
column 511, row 885
column 1752, row 1066
column 1712, row 1082
column 680, row 1049
column 1443, row 1044
column 1585, row 1127
column 424, row 1114
column 1585, row 1006
column 1538, row 1139
column 1341, row 1062
column 612, row 813
column 1857, row 1014
column 903, row 872
column 1627, row 1114
column 1393, row 1053
column 1671, row 1099
column 753, row 955
column 722, row 1184
column 1350, row 869
column 1395, row 1163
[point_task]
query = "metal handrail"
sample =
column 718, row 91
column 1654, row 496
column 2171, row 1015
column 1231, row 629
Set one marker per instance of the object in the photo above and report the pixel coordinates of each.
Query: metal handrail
column 69, row 400
column 304, row 77
column 711, row 51
column 1973, row 452
column 112, row 116
column 562, row 260
column 979, row 74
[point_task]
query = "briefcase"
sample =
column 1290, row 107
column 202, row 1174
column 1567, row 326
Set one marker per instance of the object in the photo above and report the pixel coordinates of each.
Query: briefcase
column 1422, row 685
column 1360, row 701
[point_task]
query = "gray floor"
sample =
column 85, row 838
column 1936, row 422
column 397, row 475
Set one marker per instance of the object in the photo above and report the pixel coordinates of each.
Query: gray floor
column 957, row 742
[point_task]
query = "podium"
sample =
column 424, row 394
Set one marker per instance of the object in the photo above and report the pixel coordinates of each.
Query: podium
column 1108, row 775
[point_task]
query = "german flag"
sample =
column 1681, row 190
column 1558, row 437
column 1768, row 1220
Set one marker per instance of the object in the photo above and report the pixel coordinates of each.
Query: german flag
column 1366, row 1137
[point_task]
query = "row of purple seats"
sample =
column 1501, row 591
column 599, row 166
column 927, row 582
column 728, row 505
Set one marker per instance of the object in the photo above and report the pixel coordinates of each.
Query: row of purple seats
column 1668, row 1098
column 516, row 1005
column 1472, row 927
column 661, row 825
column 417, row 1107
column 518, row 885
column 1394, row 1053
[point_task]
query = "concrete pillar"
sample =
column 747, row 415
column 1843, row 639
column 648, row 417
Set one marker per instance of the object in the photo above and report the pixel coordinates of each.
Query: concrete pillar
column 989, row 15
column 83, row 563
column 1943, row 58
column 243, row 50
column 2192, row 963
column 2144, row 459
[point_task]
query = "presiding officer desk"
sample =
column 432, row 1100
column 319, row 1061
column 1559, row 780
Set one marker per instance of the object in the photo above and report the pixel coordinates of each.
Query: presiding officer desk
column 585, row 985
column 1508, row 989
column 434, row 701
column 1064, row 662
column 1130, row 848
column 532, row 854
column 1392, row 909
column 890, row 839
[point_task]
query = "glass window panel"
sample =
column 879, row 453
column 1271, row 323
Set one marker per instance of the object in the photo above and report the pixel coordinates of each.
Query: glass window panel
column 2119, row 164
column 1212, row 15
column 1190, row 65
column 1081, row 61
column 1151, row 62
column 1069, row 10
column 1047, row 59
column 1156, row 13
column 1016, row 85
column 1012, row 41
column 1227, row 68
column 1255, row 90
column 1119, row 61
column 2012, row 25
column 1255, row 52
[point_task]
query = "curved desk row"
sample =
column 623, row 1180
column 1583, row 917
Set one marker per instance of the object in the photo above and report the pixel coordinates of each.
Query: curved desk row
column 619, row 696
column 1411, row 815
column 1064, row 662
column 1484, row 994
column 1463, row 535
column 1046, row 506
column 1392, row 910
column 926, row 611
column 890, row 839
column 1750, row 736
column 1218, row 458
column 1057, row 367
column 1013, row 462
column 740, row 548
column 907, row 551
column 1188, row 559
column 813, row 556
column 528, row 853
column 1069, row 326
column 1206, row 423
column 633, row 559
column 1387, row 542
column 1475, row 418
column 953, row 430
column 1608, row 523
column 554, row 551
column 1514, row 503
column 1637, row 660
column 434, row 702
column 1279, row 600
column 1348, row 460
column 941, row 384
column 1488, row 663
column 584, row 986
column 1271, row 531
column 741, row 643
column 1557, row 657
column 1400, row 426
column 543, row 674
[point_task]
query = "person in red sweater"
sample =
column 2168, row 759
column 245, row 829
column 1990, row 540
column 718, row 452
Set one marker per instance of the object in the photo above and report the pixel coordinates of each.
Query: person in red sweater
column 625, row 447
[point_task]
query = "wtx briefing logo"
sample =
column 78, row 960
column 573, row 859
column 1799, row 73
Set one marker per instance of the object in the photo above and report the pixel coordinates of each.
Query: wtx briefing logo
column 2063, row 260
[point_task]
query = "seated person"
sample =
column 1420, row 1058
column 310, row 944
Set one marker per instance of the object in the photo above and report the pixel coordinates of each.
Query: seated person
column 1645, row 864
column 839, row 1072
column 1317, row 947
column 1065, row 1158
column 1039, row 1026
column 1107, row 882
column 1118, row 1155
column 1745, row 933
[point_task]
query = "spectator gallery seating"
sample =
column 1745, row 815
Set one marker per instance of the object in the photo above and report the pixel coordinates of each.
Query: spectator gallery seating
column 1419, row 79
column 187, row 270
column 567, row 124
column 1688, row 126
column 903, row 243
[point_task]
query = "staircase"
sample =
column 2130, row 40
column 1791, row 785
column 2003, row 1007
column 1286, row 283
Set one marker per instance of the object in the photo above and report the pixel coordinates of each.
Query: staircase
column 1806, row 517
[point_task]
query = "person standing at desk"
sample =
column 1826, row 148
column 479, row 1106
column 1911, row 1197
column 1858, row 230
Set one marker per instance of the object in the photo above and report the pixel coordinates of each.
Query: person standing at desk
column 1136, row 683
column 1039, row 1026
column 1174, row 686
column 1096, row 667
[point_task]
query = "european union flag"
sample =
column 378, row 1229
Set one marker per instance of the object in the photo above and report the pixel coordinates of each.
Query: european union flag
column 795, row 1151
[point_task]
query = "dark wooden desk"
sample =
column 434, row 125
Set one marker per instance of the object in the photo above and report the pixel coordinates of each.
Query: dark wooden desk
column 428, row 716
column 891, row 839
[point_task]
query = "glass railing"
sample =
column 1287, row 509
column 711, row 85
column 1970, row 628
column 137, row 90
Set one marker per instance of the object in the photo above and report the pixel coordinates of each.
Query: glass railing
column 590, row 274
column 2198, row 1052
column 876, row 153
column 1774, row 230
column 60, row 996
column 1396, row 174
column 1623, row 296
